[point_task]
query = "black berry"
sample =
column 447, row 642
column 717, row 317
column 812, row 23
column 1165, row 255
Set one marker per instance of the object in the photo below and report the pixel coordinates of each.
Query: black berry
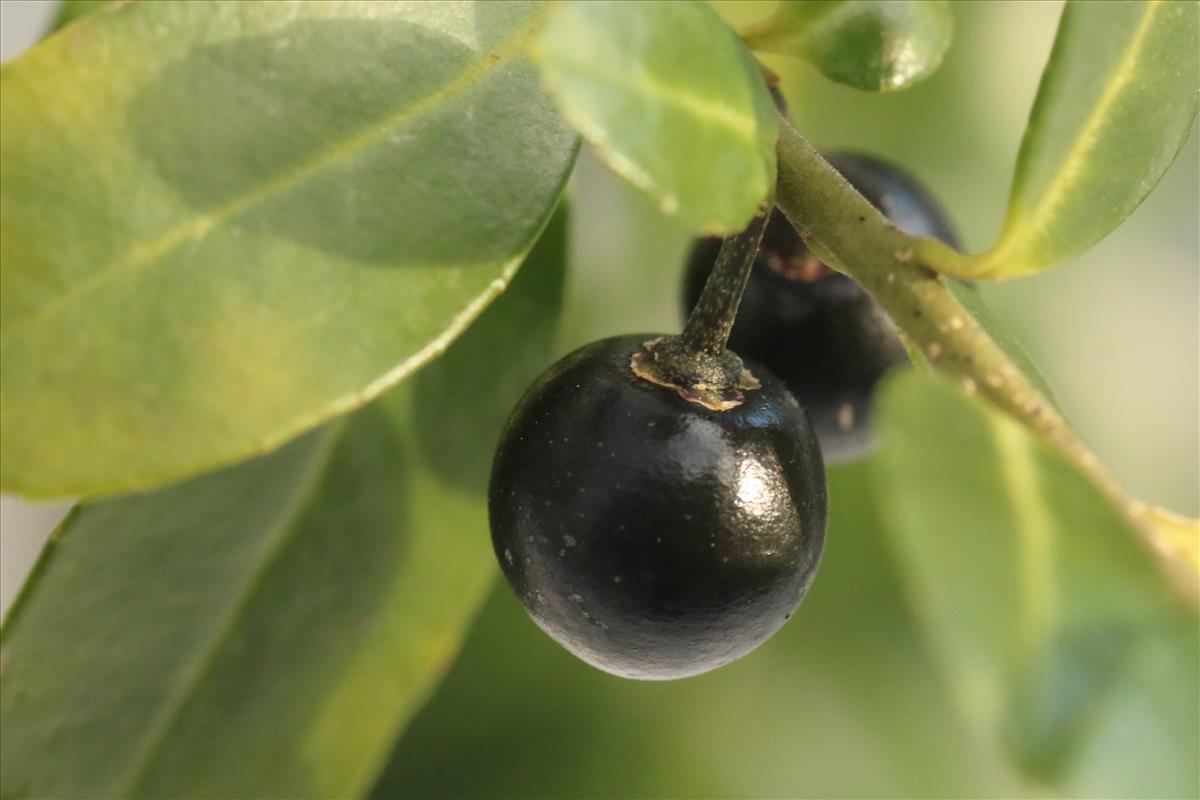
column 654, row 537
column 816, row 328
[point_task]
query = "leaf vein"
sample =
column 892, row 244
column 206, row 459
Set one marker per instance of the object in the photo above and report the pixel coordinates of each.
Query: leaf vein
column 149, row 252
column 173, row 707
column 741, row 125
column 1086, row 140
column 1034, row 530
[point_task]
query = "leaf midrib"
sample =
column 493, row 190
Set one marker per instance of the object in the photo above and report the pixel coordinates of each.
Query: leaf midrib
column 1034, row 528
column 145, row 254
column 280, row 537
column 1019, row 228
column 742, row 126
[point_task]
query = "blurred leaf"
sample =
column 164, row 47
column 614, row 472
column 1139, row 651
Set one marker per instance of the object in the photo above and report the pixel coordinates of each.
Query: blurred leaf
column 267, row 630
column 71, row 10
column 451, row 424
column 670, row 100
column 259, row 632
column 1115, row 105
column 805, row 715
column 237, row 220
column 874, row 45
column 1054, row 623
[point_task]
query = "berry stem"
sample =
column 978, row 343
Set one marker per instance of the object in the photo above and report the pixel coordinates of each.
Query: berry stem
column 855, row 238
column 696, row 364
column 711, row 321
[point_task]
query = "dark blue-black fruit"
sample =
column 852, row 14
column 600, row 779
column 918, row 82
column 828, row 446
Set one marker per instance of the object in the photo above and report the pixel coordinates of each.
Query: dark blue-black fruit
column 815, row 328
column 651, row 536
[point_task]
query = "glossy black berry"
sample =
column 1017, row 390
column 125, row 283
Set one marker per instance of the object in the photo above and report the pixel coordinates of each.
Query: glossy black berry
column 815, row 328
column 651, row 536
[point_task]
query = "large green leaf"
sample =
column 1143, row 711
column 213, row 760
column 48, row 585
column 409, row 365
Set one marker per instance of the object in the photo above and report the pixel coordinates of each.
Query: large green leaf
column 266, row 630
column 1053, row 621
column 223, row 223
column 670, row 100
column 1116, row 103
column 263, row 631
column 875, row 45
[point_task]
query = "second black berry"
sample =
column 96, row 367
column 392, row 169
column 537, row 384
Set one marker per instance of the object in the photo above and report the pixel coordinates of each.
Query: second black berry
column 815, row 328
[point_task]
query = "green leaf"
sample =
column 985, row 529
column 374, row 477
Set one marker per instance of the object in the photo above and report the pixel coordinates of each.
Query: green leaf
column 264, row 631
column 224, row 223
column 874, row 45
column 1116, row 103
column 1052, row 620
column 670, row 100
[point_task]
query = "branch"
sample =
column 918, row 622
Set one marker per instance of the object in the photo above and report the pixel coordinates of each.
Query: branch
column 895, row 269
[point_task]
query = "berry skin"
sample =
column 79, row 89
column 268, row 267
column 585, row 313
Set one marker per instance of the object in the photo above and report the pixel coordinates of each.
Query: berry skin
column 815, row 328
column 650, row 536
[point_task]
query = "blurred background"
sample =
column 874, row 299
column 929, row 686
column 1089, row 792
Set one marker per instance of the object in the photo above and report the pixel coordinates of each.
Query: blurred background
column 845, row 701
